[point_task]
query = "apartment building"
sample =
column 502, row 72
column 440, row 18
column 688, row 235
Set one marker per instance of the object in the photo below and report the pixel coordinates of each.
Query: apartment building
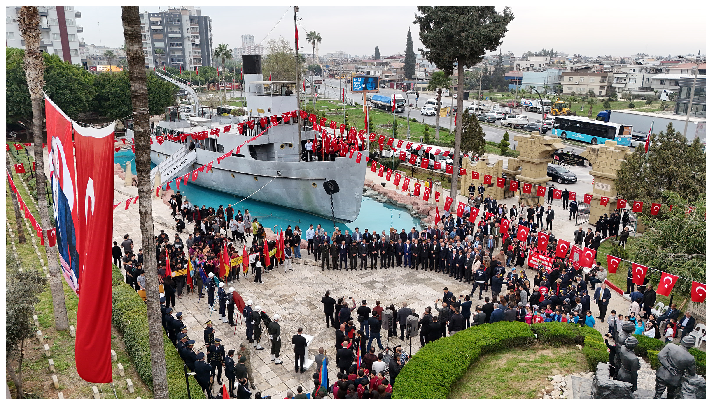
column 581, row 82
column 178, row 37
column 58, row 30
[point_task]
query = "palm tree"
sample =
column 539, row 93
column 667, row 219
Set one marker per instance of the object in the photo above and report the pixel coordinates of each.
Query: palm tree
column 223, row 53
column 314, row 38
column 141, row 120
column 29, row 22
column 109, row 56
column 438, row 81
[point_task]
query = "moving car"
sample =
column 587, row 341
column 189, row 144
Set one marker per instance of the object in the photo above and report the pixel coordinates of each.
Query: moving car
column 535, row 126
column 560, row 174
column 428, row 110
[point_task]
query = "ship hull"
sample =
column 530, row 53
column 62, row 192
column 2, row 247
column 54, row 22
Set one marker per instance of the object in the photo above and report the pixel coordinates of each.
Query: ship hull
column 295, row 185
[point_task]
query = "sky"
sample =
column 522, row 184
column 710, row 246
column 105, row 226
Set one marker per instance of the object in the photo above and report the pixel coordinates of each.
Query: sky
column 586, row 28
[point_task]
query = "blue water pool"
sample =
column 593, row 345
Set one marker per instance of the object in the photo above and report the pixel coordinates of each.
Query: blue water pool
column 373, row 215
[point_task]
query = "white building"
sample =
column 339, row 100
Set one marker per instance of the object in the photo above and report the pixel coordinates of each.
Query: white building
column 535, row 64
column 177, row 37
column 58, row 30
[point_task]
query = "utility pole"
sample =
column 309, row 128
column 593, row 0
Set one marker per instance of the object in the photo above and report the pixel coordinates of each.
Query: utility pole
column 297, row 91
column 691, row 100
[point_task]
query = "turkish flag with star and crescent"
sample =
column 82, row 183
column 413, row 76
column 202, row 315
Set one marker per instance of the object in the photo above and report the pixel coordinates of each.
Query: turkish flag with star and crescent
column 541, row 190
column 637, row 206
column 504, row 226
column 436, row 215
column 572, row 196
column 436, row 196
column 475, row 175
column 500, row 182
column 397, row 178
column 613, row 263
column 522, row 233
column 621, row 203
column 405, row 184
column 557, row 194
column 425, row 196
column 542, row 241
column 487, row 179
column 588, row 199
column 447, row 203
column 603, row 201
column 638, row 273
column 655, row 209
column 513, row 185
column 460, row 209
column 473, row 212
column 699, row 292
column 417, row 187
column 587, row 257
column 526, row 188
column 562, row 247
column 666, row 283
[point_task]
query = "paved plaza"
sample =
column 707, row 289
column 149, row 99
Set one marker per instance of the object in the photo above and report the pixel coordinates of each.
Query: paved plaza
column 296, row 296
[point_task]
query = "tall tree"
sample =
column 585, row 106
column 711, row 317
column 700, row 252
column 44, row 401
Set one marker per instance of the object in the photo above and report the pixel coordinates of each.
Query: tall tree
column 109, row 56
column 280, row 61
column 671, row 165
column 314, row 38
column 461, row 36
column 377, row 56
column 223, row 53
column 472, row 135
column 29, row 22
column 141, row 122
column 410, row 58
column 438, row 81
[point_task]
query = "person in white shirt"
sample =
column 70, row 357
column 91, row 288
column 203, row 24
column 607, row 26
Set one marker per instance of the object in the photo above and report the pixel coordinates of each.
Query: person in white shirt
column 308, row 148
column 310, row 236
column 234, row 227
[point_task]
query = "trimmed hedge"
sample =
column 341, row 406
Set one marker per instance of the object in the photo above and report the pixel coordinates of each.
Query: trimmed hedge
column 433, row 370
column 645, row 344
column 129, row 315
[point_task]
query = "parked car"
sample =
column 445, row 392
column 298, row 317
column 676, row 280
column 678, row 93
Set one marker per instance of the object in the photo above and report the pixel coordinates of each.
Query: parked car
column 428, row 110
column 482, row 117
column 548, row 122
column 492, row 117
column 638, row 139
column 535, row 126
column 560, row 174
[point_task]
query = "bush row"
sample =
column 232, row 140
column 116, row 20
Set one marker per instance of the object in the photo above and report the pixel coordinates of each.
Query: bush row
column 129, row 315
column 438, row 365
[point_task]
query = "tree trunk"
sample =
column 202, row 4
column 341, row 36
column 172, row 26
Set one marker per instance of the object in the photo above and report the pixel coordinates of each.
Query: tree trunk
column 439, row 108
column 29, row 22
column 141, row 122
column 458, row 132
column 16, row 207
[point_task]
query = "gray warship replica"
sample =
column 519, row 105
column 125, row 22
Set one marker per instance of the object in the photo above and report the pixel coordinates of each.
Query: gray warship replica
column 271, row 168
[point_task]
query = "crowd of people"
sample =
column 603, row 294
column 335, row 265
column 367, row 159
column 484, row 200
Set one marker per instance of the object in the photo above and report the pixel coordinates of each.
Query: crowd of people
column 481, row 255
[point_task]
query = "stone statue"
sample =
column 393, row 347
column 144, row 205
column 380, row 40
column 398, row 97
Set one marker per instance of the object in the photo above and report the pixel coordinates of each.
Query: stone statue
column 675, row 361
column 694, row 387
column 627, row 331
column 628, row 362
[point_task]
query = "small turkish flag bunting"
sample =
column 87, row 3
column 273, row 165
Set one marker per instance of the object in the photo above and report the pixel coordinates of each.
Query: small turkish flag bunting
column 666, row 283
column 613, row 263
column 405, row 184
column 638, row 273
column 526, row 188
column 699, row 292
column 417, row 186
column 462, row 171
column 637, row 206
column 397, row 178
column 562, row 248
column 475, row 175
column 557, row 194
column 437, row 165
column 500, row 182
column 655, row 209
column 513, row 185
column 449, row 169
column 587, row 199
column 436, row 196
column 487, row 179
column 541, row 190
column 572, row 196
column 425, row 196
column 621, row 203
column 603, row 201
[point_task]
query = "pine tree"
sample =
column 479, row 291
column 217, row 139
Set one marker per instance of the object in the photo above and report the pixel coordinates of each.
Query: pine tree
column 410, row 58
column 504, row 144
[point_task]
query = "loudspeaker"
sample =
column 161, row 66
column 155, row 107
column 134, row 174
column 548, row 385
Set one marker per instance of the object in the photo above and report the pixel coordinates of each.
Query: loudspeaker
column 252, row 64
column 331, row 187
column 412, row 326
column 387, row 317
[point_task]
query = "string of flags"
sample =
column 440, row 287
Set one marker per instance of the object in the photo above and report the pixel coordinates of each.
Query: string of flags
column 51, row 237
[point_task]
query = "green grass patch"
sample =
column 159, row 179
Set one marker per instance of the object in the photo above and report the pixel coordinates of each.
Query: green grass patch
column 519, row 373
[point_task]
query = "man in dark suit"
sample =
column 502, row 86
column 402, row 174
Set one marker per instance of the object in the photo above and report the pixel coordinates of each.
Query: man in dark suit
column 345, row 357
column 363, row 252
column 565, row 199
column 373, row 249
column 601, row 297
column 424, row 326
column 686, row 324
column 487, row 309
column 300, row 345
column 343, row 254
column 398, row 252
column 203, row 374
column 230, row 371
column 650, row 298
column 383, row 253
column 550, row 217
column 415, row 247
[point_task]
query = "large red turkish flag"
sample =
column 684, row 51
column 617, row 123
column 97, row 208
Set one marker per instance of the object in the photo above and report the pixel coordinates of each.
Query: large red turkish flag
column 436, row 215
column 522, row 233
column 436, row 196
column 417, row 187
column 612, row 263
column 562, row 247
column 542, row 241
column 405, row 184
column 587, row 257
column 504, row 226
column 638, row 273
column 397, row 178
column 425, row 196
column 473, row 212
column 699, row 292
column 666, row 283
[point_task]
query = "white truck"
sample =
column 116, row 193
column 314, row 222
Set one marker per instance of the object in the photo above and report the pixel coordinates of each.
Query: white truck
column 642, row 121
column 515, row 121
column 536, row 105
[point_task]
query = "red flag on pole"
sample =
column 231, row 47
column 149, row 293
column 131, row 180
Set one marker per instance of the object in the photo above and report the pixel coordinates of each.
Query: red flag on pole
column 225, row 267
column 245, row 260
column 562, row 248
column 189, row 274
column 522, row 233
column 649, row 136
column 460, row 209
column 448, row 203
column 473, row 212
column 587, row 258
column 436, row 215
column 168, row 270
column 699, row 292
column 655, row 209
column 542, row 241
column 638, row 273
column 666, row 284
column 266, row 251
column 504, row 226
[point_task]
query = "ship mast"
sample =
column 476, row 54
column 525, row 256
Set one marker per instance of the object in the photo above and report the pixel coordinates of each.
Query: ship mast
column 297, row 88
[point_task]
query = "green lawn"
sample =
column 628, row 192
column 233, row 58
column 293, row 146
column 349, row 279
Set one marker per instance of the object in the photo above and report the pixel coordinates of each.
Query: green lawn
column 519, row 373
